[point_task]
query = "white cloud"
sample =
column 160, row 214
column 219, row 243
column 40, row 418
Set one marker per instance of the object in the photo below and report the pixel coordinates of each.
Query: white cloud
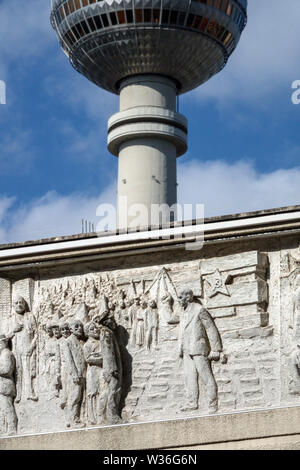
column 232, row 188
column 5, row 204
column 223, row 188
column 50, row 216
column 266, row 60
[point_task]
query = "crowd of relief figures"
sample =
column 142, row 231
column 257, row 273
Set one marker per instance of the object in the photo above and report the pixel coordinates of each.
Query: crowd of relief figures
column 147, row 343
column 77, row 338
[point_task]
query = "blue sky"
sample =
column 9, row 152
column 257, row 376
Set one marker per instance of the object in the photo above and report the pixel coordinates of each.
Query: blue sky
column 244, row 148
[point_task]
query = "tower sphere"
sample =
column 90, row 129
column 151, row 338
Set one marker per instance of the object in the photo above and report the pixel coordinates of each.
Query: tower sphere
column 188, row 41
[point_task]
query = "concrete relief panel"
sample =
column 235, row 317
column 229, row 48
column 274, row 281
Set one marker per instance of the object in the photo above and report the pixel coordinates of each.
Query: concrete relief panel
column 290, row 325
column 129, row 345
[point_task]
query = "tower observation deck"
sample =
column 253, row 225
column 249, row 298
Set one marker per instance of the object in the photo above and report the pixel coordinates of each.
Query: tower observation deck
column 148, row 52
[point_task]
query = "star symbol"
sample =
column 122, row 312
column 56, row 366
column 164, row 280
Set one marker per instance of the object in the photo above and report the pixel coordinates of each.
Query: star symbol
column 217, row 282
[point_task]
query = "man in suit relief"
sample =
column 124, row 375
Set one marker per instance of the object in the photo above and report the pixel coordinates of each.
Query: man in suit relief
column 199, row 344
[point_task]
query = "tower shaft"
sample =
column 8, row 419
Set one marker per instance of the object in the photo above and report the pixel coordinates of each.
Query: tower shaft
column 148, row 52
column 147, row 135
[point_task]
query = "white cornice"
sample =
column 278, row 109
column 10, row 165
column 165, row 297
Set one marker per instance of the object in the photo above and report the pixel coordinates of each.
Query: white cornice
column 180, row 232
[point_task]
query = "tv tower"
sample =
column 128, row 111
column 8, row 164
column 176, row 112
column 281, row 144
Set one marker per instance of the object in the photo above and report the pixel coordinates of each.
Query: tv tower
column 149, row 52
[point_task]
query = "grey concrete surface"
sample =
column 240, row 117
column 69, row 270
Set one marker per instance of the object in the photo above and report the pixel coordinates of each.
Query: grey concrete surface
column 270, row 429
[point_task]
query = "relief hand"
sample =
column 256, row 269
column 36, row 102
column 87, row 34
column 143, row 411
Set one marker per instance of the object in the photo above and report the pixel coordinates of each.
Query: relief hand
column 214, row 356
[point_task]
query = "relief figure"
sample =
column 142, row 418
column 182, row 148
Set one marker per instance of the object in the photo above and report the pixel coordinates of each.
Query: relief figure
column 52, row 357
column 24, row 339
column 109, row 401
column 8, row 417
column 94, row 376
column 140, row 325
column 132, row 313
column 151, row 322
column 199, row 344
column 62, row 373
column 76, row 373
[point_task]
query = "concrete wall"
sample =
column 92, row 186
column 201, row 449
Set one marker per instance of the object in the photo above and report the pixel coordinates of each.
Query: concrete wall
column 272, row 429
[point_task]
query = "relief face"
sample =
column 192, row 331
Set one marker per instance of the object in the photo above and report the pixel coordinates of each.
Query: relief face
column 128, row 345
